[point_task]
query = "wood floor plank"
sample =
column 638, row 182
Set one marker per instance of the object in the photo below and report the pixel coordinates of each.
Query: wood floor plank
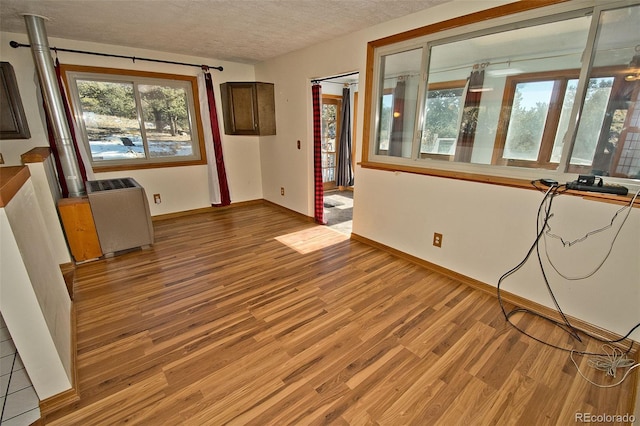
column 252, row 315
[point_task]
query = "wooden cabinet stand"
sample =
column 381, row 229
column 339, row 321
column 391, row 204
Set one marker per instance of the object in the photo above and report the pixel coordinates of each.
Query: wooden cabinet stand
column 79, row 228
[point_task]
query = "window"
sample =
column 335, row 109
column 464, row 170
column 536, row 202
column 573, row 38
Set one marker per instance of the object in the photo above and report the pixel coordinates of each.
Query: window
column 537, row 109
column 550, row 95
column 139, row 120
column 398, row 102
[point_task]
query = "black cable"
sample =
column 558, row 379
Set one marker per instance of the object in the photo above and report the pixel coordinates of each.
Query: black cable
column 553, row 190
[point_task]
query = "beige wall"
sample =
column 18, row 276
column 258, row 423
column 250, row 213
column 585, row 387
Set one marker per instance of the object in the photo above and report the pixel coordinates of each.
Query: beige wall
column 487, row 229
column 33, row 295
column 181, row 188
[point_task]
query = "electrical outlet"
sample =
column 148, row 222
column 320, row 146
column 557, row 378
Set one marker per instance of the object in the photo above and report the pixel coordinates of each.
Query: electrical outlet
column 437, row 239
column 282, row 190
column 157, row 199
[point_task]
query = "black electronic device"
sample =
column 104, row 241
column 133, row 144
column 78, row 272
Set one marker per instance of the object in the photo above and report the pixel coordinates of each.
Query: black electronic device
column 595, row 184
column 549, row 182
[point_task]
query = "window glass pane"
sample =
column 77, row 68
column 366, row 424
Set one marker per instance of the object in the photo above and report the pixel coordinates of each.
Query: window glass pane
column 499, row 129
column 563, row 122
column 398, row 103
column 330, row 132
column 595, row 106
column 166, row 120
column 110, row 118
column 528, row 118
column 608, row 138
column 385, row 123
column 441, row 121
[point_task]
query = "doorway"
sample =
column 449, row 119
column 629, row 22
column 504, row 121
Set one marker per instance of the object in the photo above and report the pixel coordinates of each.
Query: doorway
column 338, row 133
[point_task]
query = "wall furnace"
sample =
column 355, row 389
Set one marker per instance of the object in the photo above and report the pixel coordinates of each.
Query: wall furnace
column 121, row 214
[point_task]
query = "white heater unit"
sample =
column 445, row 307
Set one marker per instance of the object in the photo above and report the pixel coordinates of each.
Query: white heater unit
column 121, row 214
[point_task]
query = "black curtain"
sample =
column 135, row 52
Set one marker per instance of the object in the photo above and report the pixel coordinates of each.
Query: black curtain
column 344, row 169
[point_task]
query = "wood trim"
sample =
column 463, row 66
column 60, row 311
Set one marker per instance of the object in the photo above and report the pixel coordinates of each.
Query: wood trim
column 368, row 92
column 70, row 396
column 354, row 127
column 58, row 401
column 11, row 180
column 68, row 271
column 289, row 211
column 203, row 210
column 14, row 123
column 123, row 167
column 231, row 206
column 496, row 180
column 460, row 21
column 36, row 155
column 444, row 85
column 506, row 296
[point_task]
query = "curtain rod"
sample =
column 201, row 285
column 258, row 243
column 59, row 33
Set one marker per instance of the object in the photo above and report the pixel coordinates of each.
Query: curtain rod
column 318, row 80
column 15, row 45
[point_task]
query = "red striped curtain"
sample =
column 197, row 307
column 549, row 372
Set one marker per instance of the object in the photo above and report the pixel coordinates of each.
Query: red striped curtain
column 317, row 155
column 225, row 198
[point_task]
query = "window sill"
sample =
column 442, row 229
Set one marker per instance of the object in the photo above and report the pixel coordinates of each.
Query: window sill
column 121, row 167
column 497, row 180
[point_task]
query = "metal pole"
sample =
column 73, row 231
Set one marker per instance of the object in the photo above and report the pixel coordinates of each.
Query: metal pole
column 53, row 104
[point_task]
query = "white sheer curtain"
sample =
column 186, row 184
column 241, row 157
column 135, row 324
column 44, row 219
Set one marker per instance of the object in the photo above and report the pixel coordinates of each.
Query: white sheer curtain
column 214, row 183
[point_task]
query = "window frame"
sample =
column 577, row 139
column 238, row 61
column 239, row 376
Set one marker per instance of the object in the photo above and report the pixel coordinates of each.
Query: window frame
column 72, row 72
column 335, row 100
column 461, row 28
column 561, row 79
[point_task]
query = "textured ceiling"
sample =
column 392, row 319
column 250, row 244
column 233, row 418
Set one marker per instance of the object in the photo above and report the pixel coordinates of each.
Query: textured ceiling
column 247, row 31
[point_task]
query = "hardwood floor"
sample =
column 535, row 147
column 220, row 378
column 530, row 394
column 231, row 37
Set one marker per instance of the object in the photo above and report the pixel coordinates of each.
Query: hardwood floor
column 251, row 315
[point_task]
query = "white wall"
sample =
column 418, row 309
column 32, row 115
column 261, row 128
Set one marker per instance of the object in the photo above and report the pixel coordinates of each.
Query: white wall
column 33, row 295
column 487, row 229
column 181, row 188
column 45, row 183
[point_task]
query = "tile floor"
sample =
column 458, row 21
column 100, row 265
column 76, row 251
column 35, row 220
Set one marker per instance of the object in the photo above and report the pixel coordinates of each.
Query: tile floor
column 338, row 210
column 18, row 398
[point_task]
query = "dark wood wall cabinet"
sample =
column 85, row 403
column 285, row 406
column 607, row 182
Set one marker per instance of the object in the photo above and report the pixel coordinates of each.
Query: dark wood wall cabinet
column 248, row 108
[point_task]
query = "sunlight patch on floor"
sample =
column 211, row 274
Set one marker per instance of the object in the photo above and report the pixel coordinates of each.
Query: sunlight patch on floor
column 312, row 239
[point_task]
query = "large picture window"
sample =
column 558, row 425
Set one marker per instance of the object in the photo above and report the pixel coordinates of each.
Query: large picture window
column 550, row 92
column 139, row 120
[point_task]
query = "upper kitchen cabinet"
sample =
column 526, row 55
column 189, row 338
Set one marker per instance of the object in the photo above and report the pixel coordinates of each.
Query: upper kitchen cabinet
column 248, row 108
